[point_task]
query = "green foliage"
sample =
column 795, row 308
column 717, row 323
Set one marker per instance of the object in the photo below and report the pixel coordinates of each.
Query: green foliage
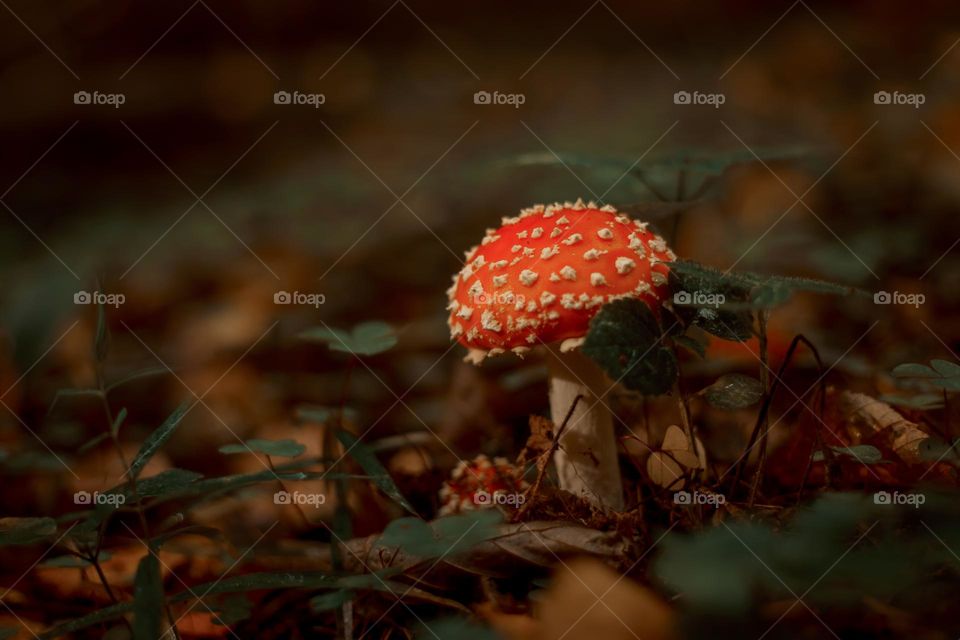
column 731, row 317
column 919, row 402
column 101, row 342
column 156, row 440
column 626, row 341
column 443, row 536
column 73, row 562
column 18, row 531
column 147, row 599
column 843, row 548
column 138, row 375
column 332, row 600
column 232, row 609
column 118, row 422
column 724, row 323
column 941, row 374
column 733, row 391
column 366, row 339
column 455, row 629
column 280, row 448
column 662, row 169
column 263, row 581
column 692, row 345
column 325, row 415
column 865, row 453
column 368, row 461
column 166, row 482
column 934, row 449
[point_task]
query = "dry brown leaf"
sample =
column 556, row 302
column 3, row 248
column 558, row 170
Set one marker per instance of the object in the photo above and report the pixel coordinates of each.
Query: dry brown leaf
column 589, row 600
column 538, row 543
column 666, row 467
column 871, row 417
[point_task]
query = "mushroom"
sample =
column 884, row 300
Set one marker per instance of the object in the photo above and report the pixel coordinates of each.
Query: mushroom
column 538, row 280
column 479, row 484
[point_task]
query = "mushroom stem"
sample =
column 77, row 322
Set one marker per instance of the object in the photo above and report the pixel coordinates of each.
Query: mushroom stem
column 586, row 460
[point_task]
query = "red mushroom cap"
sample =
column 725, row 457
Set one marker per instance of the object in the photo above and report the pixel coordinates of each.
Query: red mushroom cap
column 475, row 485
column 543, row 275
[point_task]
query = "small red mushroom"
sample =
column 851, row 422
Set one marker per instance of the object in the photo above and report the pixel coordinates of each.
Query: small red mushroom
column 538, row 280
column 480, row 484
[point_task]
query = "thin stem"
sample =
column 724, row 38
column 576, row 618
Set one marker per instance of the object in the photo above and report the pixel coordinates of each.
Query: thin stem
column 762, row 318
column 133, row 485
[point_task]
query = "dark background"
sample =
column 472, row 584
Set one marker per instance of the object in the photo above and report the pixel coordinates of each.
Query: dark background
column 306, row 199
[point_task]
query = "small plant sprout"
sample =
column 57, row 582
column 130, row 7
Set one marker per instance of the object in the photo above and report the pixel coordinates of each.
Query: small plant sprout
column 538, row 280
column 480, row 484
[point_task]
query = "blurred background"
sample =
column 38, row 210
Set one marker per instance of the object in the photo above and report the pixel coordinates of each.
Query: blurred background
column 146, row 155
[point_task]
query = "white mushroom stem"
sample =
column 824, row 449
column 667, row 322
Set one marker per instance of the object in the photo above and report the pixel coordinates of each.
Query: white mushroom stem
column 586, row 460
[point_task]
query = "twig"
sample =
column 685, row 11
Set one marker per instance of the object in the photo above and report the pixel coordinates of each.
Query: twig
column 762, row 318
column 544, row 459
column 764, row 409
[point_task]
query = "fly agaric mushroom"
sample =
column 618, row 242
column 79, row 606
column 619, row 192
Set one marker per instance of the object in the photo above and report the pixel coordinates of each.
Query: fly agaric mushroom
column 480, row 484
column 539, row 279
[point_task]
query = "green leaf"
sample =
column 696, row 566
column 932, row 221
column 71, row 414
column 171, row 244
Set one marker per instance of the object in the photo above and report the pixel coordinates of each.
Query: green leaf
column 692, row 345
column 332, row 600
column 694, row 280
column 742, row 292
column 943, row 374
column 371, row 465
column 118, row 422
column 324, row 415
column 864, row 453
column 97, row 617
column 210, row 486
column 444, row 536
column 280, row 448
column 73, row 562
column 946, row 368
column 101, row 343
column 366, row 339
column 147, row 599
column 454, row 628
column 139, row 375
column 73, row 393
column 934, row 449
column 157, row 439
column 261, row 581
column 235, row 608
column 920, row 402
column 17, row 531
column 93, row 442
column 624, row 339
column 733, row 391
column 8, row 632
column 166, row 482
